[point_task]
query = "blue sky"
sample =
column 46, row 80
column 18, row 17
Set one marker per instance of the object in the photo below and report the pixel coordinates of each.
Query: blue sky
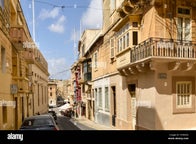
column 58, row 25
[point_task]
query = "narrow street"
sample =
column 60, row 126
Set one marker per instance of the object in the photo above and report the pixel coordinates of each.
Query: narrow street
column 66, row 123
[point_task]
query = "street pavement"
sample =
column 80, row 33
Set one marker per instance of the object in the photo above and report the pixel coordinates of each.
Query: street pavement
column 82, row 123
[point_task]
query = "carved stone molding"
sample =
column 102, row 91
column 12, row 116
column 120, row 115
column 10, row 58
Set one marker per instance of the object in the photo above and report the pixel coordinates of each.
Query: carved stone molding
column 174, row 66
column 187, row 66
column 141, row 67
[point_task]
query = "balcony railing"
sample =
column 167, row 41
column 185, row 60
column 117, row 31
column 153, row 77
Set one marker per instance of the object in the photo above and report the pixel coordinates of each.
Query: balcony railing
column 167, row 48
column 29, row 56
column 17, row 34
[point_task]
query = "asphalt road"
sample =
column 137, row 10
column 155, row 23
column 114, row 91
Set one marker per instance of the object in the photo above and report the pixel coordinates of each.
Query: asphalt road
column 65, row 123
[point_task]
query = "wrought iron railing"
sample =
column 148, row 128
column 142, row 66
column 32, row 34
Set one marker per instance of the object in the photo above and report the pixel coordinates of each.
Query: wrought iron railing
column 159, row 47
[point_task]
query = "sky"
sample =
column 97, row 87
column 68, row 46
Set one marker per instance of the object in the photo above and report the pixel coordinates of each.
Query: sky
column 58, row 26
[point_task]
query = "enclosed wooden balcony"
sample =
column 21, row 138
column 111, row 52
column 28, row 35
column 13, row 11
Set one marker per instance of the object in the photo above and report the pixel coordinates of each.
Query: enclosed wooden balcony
column 146, row 55
column 18, row 37
column 87, row 76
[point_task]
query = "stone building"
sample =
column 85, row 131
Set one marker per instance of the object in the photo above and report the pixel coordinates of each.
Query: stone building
column 7, row 104
column 19, row 92
column 143, row 72
column 85, row 45
column 155, row 54
column 52, row 93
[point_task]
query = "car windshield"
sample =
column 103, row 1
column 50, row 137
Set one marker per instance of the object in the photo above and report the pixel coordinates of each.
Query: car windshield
column 38, row 122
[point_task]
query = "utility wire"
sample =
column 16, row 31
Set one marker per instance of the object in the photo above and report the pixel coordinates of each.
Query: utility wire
column 67, row 6
column 60, row 72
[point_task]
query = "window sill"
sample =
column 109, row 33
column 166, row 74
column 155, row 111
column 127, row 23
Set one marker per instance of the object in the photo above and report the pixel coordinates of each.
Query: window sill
column 183, row 110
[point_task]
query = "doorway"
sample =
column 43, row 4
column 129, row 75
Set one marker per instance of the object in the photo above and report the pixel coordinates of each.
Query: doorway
column 16, row 113
column 132, row 91
column 113, row 88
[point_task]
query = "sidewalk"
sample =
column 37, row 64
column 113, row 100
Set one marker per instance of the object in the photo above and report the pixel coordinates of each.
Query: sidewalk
column 92, row 124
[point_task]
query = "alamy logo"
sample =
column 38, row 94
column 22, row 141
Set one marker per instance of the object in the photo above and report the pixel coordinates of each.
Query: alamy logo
column 12, row 136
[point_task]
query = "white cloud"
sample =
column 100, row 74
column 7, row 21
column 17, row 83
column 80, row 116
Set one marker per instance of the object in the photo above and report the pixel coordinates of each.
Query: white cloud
column 92, row 18
column 58, row 26
column 44, row 14
column 58, row 68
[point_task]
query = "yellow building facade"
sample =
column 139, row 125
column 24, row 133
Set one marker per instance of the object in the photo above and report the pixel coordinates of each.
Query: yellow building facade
column 143, row 65
column 18, row 53
column 7, row 105
column 52, row 93
column 155, row 55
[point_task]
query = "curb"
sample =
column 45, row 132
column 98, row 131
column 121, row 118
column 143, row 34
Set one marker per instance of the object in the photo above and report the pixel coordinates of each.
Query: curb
column 91, row 124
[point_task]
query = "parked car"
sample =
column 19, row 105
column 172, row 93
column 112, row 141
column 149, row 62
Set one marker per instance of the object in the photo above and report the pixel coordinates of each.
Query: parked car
column 53, row 113
column 60, row 101
column 39, row 122
column 66, row 110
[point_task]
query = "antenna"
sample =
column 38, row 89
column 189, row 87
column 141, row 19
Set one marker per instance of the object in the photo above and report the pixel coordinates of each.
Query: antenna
column 80, row 28
column 75, row 48
column 33, row 12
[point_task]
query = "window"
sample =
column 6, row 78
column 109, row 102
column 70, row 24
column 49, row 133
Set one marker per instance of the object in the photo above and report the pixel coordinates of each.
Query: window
column 100, row 97
column 135, row 38
column 96, row 98
column 123, row 38
column 127, row 40
column 135, row 24
column 183, row 94
column 38, row 91
column 85, row 68
column 120, row 44
column 106, row 99
column 184, row 24
column 95, row 60
column 184, row 11
column 112, row 48
column 3, row 60
column 4, row 114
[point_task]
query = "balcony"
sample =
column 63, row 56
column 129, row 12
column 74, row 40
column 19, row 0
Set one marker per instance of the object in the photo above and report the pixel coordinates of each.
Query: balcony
column 87, row 76
column 22, row 84
column 164, row 48
column 81, row 81
column 29, row 56
column 177, row 54
column 18, row 36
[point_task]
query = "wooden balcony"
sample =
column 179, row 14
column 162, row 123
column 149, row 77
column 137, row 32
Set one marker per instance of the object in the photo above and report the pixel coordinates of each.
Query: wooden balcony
column 18, row 36
column 87, row 76
column 177, row 54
